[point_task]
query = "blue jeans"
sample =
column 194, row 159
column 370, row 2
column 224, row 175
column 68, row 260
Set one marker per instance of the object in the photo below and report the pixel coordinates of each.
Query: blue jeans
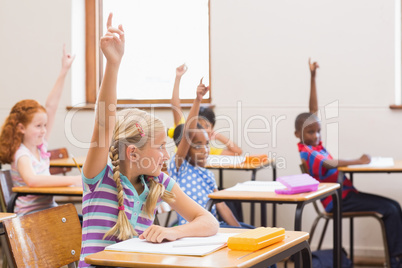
column 390, row 209
column 223, row 224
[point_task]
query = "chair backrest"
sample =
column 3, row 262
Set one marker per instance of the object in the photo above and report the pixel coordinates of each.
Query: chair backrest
column 6, row 192
column 58, row 154
column 48, row 238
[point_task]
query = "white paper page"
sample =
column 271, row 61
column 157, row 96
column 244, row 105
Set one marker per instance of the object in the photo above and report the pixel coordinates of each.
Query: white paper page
column 257, row 186
column 182, row 246
column 377, row 162
column 224, row 160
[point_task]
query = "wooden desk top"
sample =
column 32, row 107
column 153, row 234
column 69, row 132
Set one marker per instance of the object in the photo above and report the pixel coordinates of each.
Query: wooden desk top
column 218, row 259
column 245, row 166
column 5, row 216
column 67, row 162
column 72, row 191
column 396, row 168
column 323, row 188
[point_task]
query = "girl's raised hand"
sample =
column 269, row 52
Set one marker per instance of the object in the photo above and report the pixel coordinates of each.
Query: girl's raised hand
column 201, row 90
column 67, row 59
column 182, row 69
column 112, row 43
column 313, row 66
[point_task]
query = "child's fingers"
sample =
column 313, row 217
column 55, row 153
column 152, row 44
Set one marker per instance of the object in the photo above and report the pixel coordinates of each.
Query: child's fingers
column 122, row 35
column 309, row 61
column 115, row 30
column 201, row 80
column 109, row 20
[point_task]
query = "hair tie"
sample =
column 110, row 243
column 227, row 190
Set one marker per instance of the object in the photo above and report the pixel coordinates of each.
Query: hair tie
column 140, row 129
column 121, row 208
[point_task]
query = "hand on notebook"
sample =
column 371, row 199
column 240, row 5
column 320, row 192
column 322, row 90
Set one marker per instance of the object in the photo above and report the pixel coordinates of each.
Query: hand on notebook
column 157, row 234
column 365, row 159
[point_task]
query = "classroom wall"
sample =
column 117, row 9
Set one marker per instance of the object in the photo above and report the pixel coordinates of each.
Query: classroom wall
column 260, row 79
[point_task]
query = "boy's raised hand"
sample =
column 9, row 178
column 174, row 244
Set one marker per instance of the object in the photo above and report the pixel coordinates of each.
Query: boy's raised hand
column 182, row 69
column 67, row 59
column 112, row 43
column 201, row 90
column 313, row 66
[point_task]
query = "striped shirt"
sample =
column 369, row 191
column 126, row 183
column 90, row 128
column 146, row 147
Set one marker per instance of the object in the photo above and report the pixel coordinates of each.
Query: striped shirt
column 31, row 203
column 196, row 182
column 100, row 209
column 314, row 156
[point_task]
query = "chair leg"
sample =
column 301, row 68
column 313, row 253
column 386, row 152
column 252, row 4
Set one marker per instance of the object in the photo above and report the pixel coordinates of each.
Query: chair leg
column 324, row 230
column 313, row 227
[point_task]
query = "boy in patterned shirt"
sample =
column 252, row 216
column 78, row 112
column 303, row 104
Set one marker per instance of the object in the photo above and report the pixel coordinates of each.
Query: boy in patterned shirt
column 323, row 167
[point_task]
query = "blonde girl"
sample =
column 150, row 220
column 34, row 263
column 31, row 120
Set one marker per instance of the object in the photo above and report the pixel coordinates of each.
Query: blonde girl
column 23, row 144
column 120, row 197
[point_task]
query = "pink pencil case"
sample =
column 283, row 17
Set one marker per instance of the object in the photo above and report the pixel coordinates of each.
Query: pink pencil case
column 297, row 184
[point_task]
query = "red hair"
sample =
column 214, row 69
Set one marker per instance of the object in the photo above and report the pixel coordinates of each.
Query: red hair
column 11, row 138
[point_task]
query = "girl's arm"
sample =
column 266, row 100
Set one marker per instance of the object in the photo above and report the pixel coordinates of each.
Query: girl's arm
column 201, row 222
column 231, row 147
column 191, row 124
column 175, row 101
column 32, row 180
column 334, row 163
column 112, row 45
column 53, row 99
column 227, row 214
column 313, row 102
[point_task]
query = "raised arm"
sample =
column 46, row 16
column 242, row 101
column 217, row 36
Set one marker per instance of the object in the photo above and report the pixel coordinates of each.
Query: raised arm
column 231, row 147
column 334, row 163
column 112, row 45
column 313, row 102
column 175, row 101
column 53, row 99
column 190, row 125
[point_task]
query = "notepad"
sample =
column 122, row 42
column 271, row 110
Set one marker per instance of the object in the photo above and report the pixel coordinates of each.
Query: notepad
column 257, row 186
column 377, row 162
column 295, row 184
column 183, row 246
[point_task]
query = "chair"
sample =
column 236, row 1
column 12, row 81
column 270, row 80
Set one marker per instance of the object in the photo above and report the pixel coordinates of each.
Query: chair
column 7, row 197
column 322, row 214
column 48, row 238
column 164, row 208
column 58, row 154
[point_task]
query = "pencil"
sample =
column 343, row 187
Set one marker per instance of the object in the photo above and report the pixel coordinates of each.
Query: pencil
column 76, row 164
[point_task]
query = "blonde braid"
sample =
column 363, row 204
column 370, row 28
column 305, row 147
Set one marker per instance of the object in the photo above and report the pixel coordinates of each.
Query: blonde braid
column 156, row 191
column 122, row 229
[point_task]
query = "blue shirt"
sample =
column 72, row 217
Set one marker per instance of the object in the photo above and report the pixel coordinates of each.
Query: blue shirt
column 196, row 182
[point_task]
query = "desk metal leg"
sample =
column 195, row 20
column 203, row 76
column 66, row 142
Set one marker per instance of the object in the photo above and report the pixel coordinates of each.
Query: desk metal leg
column 273, row 205
column 337, row 210
column 298, row 225
column 252, row 211
column 221, row 178
column 351, row 228
column 264, row 214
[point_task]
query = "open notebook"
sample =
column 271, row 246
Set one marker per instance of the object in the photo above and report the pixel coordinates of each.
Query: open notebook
column 194, row 246
column 377, row 162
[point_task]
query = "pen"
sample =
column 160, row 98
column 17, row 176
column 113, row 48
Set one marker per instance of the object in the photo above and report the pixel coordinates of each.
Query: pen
column 195, row 244
column 76, row 163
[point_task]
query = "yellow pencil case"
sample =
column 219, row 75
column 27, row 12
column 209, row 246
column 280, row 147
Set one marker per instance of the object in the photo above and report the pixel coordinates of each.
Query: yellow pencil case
column 256, row 238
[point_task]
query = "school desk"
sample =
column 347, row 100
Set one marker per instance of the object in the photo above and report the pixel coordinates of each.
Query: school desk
column 245, row 167
column 67, row 162
column 224, row 258
column 396, row 168
column 324, row 190
column 58, row 191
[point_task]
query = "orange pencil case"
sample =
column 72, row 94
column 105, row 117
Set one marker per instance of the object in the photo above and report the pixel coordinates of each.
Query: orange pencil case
column 255, row 239
column 256, row 159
